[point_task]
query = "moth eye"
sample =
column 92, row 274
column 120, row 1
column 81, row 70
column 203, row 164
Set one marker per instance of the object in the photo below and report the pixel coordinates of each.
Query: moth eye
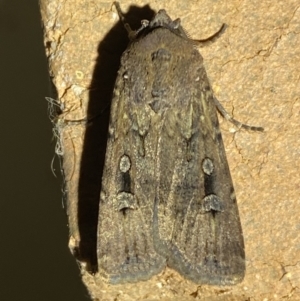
column 176, row 23
column 207, row 166
column 125, row 75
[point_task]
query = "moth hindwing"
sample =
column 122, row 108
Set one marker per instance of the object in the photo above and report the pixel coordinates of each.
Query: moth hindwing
column 167, row 196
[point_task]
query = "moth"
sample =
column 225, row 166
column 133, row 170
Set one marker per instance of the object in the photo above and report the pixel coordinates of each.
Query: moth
column 167, row 197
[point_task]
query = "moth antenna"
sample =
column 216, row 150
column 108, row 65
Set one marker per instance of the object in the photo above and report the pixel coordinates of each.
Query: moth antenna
column 208, row 41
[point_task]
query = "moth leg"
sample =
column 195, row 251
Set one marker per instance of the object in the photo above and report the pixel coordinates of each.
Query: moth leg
column 131, row 33
column 237, row 123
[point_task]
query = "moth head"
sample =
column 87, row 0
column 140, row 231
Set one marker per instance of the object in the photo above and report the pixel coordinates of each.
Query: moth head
column 163, row 20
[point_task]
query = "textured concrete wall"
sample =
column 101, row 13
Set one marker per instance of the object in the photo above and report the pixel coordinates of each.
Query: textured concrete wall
column 254, row 70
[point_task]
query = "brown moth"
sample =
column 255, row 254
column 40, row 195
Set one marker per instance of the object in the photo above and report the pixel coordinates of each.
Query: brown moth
column 167, row 196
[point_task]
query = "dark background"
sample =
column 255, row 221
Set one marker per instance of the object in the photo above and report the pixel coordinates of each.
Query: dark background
column 35, row 262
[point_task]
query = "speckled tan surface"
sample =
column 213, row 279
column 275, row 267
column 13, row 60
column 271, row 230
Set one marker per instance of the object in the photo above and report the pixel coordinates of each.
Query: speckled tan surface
column 254, row 70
